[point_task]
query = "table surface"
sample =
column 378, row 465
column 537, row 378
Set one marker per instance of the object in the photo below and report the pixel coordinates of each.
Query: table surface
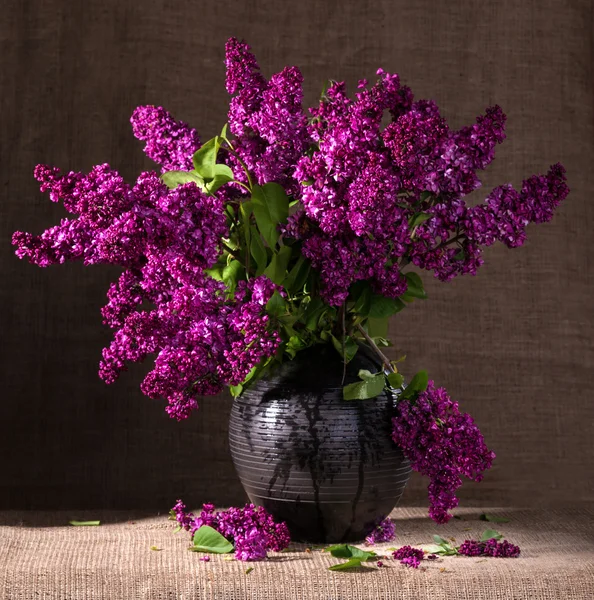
column 41, row 556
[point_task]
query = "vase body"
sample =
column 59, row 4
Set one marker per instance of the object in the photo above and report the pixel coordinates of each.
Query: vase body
column 324, row 465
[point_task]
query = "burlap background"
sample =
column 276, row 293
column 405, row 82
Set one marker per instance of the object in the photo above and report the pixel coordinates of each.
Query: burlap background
column 514, row 344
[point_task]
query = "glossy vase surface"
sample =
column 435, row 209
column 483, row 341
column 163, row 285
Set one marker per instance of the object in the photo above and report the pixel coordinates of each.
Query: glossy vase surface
column 326, row 466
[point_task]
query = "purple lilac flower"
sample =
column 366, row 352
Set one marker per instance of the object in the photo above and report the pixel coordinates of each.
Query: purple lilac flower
column 252, row 529
column 489, row 548
column 164, row 239
column 360, row 189
column 266, row 117
column 169, row 143
column 409, row 556
column 346, row 132
column 384, row 532
column 506, row 212
column 441, row 443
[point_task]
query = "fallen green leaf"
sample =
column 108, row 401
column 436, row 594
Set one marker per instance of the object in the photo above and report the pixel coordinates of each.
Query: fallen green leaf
column 248, row 571
column 348, row 551
column 490, row 534
column 207, row 539
column 493, row 518
column 85, row 523
column 156, row 549
column 353, row 563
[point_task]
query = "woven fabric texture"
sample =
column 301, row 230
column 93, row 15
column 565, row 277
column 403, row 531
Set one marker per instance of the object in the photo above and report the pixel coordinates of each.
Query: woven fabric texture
column 514, row 345
column 42, row 557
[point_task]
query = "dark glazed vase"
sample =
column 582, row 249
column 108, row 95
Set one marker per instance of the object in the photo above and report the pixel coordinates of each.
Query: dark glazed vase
column 324, row 465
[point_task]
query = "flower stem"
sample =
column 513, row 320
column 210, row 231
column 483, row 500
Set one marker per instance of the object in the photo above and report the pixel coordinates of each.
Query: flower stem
column 385, row 360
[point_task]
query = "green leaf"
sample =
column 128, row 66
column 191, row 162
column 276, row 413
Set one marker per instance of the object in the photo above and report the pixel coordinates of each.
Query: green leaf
column 355, row 555
column 377, row 327
column 205, row 158
column 365, row 374
column 207, row 539
column 360, row 293
column 232, row 273
column 249, row 570
column 174, row 178
column 443, row 547
column 348, row 551
column 415, row 287
column 294, row 345
column 156, row 548
column 271, row 208
column 490, row 534
column 382, row 307
column 85, row 523
column 425, row 196
column 395, row 380
column 222, row 175
column 258, row 251
column 493, row 518
column 297, row 275
column 368, row 388
column 245, row 212
column 350, row 347
column 353, row 563
column 434, row 549
column 314, row 310
column 276, row 271
column 215, row 273
column 460, row 255
column 236, row 390
column 418, row 218
column 416, row 385
column 441, row 541
column 276, row 305
column 224, row 133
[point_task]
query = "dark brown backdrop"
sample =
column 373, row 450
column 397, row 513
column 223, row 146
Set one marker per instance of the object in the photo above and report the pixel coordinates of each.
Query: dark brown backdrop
column 513, row 344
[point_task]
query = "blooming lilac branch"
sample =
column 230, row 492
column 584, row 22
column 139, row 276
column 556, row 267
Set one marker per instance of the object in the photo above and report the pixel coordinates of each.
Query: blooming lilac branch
column 368, row 200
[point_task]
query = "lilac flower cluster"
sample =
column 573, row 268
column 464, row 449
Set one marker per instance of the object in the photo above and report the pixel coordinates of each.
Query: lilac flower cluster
column 384, row 532
column 489, row 548
column 164, row 239
column 266, row 117
column 409, row 556
column 361, row 188
column 169, row 143
column 441, row 443
column 369, row 201
column 251, row 529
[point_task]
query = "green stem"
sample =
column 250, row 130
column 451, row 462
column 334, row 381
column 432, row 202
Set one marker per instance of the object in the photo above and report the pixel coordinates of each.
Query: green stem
column 243, row 185
column 243, row 166
column 385, row 360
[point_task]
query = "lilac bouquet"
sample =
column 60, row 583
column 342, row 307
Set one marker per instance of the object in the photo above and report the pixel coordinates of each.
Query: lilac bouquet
column 291, row 229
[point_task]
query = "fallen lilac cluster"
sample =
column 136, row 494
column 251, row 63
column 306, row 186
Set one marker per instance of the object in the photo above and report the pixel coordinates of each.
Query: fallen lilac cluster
column 490, row 547
column 441, row 443
column 384, row 532
column 409, row 556
column 164, row 239
column 251, row 529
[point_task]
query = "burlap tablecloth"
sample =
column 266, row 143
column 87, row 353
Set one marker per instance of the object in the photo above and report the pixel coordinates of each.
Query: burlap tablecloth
column 41, row 556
